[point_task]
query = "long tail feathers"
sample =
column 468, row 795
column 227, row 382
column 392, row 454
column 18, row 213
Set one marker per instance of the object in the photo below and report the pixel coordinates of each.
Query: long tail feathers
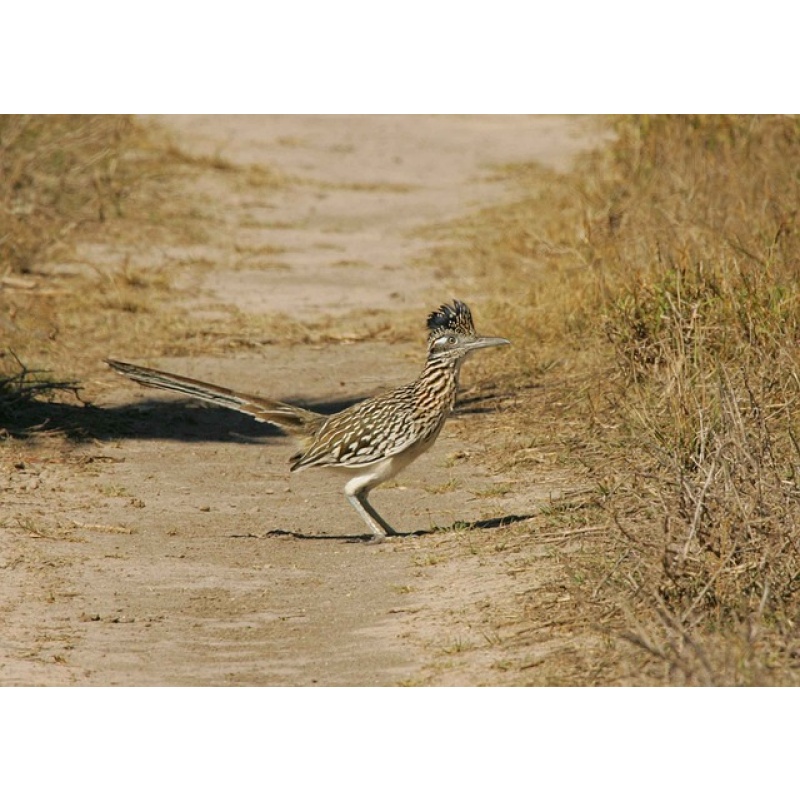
column 290, row 418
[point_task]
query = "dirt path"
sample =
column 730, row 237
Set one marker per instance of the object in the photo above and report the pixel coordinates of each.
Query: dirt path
column 185, row 553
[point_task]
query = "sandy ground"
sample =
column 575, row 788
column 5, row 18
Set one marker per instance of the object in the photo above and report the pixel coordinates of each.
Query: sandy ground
column 184, row 552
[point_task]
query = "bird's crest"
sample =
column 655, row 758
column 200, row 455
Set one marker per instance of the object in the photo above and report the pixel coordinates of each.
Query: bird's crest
column 456, row 318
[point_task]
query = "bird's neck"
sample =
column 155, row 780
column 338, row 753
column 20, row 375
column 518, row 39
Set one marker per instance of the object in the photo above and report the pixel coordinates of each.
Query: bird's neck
column 439, row 380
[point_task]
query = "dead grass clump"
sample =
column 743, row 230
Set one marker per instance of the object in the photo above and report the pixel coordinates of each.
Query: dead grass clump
column 19, row 384
column 56, row 173
column 656, row 290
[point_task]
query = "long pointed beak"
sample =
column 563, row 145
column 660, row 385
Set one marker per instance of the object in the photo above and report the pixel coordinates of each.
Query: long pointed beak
column 487, row 341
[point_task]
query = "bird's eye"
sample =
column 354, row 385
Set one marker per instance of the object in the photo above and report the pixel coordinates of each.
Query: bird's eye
column 451, row 340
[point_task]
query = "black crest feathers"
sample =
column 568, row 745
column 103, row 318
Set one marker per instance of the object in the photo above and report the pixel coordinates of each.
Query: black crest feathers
column 457, row 318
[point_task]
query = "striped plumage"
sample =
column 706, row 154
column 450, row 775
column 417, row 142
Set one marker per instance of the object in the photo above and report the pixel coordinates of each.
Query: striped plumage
column 374, row 439
column 385, row 425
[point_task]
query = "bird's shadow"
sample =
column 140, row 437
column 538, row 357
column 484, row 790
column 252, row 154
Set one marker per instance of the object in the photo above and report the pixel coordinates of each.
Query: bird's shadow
column 157, row 418
column 177, row 420
column 484, row 524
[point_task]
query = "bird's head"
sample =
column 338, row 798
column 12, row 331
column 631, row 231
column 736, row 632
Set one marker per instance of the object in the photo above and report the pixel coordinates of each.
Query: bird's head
column 451, row 333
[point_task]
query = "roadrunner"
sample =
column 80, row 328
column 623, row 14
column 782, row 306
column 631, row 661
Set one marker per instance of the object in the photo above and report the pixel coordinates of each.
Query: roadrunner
column 371, row 440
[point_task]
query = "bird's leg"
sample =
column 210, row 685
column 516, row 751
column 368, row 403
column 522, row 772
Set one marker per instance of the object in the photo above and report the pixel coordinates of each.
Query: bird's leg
column 375, row 515
column 375, row 522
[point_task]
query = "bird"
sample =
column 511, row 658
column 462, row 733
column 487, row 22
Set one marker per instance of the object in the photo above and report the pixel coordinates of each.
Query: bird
column 372, row 440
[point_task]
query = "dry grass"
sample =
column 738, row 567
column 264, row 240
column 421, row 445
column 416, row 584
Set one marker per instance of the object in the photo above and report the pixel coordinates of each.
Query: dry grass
column 654, row 298
column 56, row 174
column 91, row 210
